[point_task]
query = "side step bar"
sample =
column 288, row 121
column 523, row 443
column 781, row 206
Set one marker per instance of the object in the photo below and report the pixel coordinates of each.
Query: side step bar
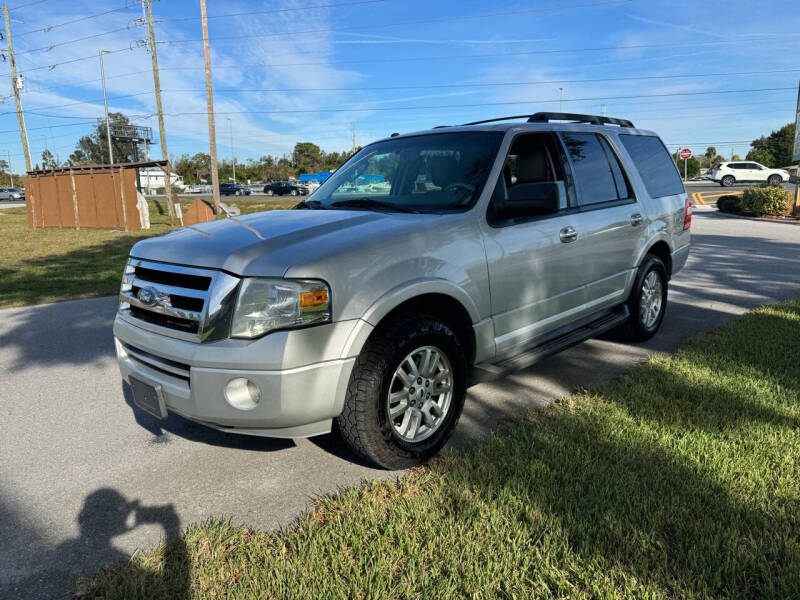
column 484, row 372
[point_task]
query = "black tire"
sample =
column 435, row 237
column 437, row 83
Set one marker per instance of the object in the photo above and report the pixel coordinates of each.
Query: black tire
column 364, row 423
column 634, row 328
column 727, row 181
column 775, row 179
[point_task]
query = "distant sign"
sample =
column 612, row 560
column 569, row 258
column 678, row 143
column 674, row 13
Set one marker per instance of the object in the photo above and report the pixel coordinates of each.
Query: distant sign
column 686, row 154
column 796, row 149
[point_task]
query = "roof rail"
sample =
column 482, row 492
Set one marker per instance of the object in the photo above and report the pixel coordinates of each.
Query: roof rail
column 498, row 119
column 546, row 117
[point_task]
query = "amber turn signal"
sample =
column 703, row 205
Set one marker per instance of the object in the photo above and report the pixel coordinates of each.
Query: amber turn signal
column 315, row 298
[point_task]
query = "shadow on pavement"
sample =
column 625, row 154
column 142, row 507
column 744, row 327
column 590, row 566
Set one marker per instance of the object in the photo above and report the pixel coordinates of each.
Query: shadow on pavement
column 105, row 514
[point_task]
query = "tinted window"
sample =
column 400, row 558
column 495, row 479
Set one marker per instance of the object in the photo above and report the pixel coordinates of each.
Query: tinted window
column 593, row 172
column 654, row 164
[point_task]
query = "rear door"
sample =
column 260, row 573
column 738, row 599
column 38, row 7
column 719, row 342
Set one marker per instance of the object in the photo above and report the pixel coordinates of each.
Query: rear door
column 610, row 223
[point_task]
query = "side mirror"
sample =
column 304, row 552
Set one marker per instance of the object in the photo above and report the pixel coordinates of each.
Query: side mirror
column 530, row 200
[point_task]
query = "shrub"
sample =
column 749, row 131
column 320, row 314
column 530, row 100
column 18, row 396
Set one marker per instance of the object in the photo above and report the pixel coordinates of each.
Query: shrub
column 730, row 204
column 767, row 200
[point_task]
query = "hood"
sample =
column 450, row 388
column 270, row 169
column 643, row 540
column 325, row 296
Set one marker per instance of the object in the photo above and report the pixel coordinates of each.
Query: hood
column 268, row 243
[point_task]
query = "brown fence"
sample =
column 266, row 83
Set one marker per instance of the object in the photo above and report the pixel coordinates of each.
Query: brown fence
column 101, row 197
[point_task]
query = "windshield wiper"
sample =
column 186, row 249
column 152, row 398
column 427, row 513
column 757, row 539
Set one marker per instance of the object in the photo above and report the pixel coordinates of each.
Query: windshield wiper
column 310, row 204
column 367, row 202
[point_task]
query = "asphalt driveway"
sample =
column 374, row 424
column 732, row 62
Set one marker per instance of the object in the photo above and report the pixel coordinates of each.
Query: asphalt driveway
column 86, row 479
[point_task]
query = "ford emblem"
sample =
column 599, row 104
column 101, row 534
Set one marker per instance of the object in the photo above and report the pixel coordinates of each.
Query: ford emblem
column 147, row 296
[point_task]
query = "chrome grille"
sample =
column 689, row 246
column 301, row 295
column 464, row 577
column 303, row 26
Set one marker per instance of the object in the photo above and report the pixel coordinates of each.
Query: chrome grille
column 184, row 302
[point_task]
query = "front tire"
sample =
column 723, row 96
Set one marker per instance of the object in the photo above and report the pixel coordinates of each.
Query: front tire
column 775, row 179
column 647, row 302
column 406, row 392
column 728, row 181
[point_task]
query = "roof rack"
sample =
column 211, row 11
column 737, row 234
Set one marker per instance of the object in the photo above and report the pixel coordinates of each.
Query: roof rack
column 546, row 117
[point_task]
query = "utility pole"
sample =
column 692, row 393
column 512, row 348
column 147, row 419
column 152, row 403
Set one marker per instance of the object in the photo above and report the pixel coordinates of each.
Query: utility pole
column 353, row 129
column 212, row 136
column 16, row 84
column 162, row 134
column 105, row 105
column 560, row 99
column 233, row 152
column 10, row 170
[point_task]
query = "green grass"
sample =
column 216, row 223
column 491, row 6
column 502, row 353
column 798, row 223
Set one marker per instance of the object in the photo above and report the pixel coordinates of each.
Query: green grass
column 679, row 480
column 47, row 265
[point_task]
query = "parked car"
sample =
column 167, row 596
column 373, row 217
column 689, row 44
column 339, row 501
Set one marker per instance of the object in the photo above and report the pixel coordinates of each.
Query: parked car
column 730, row 173
column 373, row 313
column 285, row 188
column 199, row 188
column 234, row 189
column 12, row 194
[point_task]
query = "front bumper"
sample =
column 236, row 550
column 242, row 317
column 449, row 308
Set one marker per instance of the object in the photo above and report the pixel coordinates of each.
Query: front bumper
column 302, row 374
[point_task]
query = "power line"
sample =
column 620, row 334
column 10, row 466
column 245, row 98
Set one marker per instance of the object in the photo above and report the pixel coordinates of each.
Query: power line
column 476, row 104
column 518, row 53
column 491, row 84
column 74, row 41
column 272, row 11
column 48, row 28
column 26, row 5
column 416, row 22
column 73, row 60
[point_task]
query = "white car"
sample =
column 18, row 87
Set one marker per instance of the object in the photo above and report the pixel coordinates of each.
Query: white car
column 729, row 173
column 11, row 194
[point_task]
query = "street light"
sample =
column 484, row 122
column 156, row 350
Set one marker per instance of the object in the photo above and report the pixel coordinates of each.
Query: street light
column 105, row 105
column 560, row 99
column 233, row 152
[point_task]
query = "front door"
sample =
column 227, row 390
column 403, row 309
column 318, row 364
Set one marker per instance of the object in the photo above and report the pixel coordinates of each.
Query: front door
column 535, row 264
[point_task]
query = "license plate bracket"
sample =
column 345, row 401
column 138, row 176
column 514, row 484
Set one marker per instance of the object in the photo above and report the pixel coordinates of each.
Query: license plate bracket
column 149, row 397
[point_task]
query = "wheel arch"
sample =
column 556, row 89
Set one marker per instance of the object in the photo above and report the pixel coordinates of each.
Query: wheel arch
column 438, row 298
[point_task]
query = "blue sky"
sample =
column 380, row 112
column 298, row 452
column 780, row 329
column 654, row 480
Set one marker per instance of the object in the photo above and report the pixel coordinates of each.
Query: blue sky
column 404, row 65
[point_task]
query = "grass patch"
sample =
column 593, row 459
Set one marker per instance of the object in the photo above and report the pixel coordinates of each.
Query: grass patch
column 46, row 265
column 679, row 480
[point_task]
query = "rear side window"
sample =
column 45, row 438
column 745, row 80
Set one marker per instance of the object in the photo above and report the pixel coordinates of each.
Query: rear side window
column 597, row 170
column 654, row 164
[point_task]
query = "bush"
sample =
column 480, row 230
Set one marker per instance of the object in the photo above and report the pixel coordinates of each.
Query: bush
column 730, row 204
column 767, row 200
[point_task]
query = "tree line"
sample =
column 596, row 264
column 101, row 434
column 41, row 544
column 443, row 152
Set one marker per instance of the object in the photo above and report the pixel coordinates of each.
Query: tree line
column 773, row 150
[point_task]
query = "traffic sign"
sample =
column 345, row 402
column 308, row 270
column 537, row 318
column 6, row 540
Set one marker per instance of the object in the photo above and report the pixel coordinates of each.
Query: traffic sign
column 686, row 154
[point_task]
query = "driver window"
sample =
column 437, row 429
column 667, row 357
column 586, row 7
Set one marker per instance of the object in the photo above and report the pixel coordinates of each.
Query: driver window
column 530, row 160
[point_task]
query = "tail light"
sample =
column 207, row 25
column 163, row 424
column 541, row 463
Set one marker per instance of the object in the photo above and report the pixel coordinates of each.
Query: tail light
column 687, row 214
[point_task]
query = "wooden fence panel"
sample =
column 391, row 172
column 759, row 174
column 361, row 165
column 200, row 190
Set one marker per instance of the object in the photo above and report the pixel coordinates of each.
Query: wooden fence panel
column 102, row 198
column 87, row 208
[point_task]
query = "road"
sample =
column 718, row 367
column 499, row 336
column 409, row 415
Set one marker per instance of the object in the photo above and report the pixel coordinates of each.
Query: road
column 76, row 459
column 707, row 193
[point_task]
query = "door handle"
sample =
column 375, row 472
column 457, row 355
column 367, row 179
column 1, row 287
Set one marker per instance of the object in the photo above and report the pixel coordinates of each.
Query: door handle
column 636, row 219
column 568, row 234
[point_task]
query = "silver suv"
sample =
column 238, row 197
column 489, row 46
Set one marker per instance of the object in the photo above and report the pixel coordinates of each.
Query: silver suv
column 428, row 262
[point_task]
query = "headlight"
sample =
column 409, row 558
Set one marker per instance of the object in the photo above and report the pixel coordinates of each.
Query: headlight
column 267, row 304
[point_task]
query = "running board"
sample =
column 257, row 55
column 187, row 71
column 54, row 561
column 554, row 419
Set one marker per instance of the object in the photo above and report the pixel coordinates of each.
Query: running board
column 484, row 372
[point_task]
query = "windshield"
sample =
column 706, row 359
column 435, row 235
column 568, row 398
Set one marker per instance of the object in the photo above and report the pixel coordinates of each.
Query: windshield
column 427, row 173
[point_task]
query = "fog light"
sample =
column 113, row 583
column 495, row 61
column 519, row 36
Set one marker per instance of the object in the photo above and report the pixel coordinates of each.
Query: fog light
column 242, row 393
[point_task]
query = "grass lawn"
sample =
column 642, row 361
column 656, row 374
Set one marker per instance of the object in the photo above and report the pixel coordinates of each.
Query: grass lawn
column 679, row 480
column 46, row 265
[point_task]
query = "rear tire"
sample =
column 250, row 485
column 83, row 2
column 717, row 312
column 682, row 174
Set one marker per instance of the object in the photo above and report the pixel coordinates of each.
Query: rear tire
column 647, row 302
column 376, row 392
column 728, row 181
column 775, row 179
